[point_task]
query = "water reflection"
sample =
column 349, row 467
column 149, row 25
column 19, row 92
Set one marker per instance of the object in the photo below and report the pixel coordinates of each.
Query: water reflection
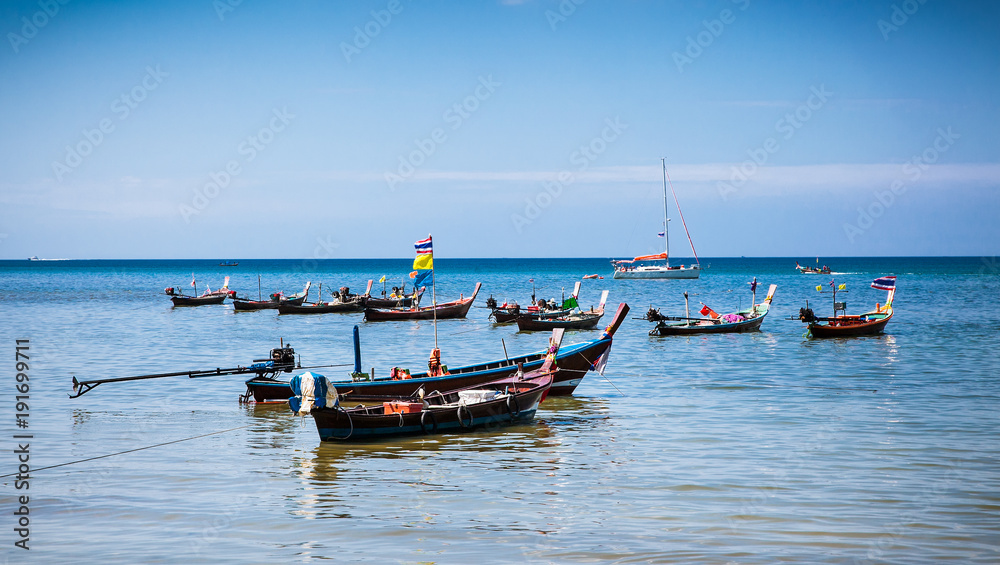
column 333, row 478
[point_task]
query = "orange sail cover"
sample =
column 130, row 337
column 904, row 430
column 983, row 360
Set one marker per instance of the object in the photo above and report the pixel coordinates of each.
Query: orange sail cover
column 651, row 257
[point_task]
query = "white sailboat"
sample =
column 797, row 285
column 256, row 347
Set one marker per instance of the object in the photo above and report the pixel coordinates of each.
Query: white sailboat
column 637, row 268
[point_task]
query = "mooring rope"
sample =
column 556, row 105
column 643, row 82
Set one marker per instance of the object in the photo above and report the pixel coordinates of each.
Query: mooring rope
column 130, row 450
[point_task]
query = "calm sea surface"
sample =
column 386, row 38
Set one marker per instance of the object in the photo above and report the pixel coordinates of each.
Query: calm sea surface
column 749, row 448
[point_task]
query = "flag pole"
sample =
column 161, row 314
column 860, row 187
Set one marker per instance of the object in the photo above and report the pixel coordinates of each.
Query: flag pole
column 433, row 294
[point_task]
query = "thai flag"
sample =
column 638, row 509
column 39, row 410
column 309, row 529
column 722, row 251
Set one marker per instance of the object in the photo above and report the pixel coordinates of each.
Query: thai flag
column 885, row 283
column 423, row 246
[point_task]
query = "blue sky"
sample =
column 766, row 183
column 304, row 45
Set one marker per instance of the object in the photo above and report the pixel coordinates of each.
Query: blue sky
column 506, row 129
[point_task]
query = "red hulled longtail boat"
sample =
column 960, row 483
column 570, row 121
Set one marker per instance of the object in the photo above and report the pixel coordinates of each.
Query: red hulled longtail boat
column 869, row 323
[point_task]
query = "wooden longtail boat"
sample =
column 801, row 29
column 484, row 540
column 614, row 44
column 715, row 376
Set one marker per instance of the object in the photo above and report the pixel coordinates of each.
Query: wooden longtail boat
column 454, row 309
column 869, row 323
column 506, row 314
column 343, row 302
column 244, row 304
column 511, row 400
column 747, row 320
column 574, row 361
column 178, row 298
column 817, row 270
column 402, row 302
column 577, row 321
column 510, row 312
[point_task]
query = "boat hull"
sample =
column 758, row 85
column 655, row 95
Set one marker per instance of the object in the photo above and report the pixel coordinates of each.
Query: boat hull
column 584, row 321
column 361, row 424
column 389, row 302
column 198, row 300
column 658, row 273
column 850, row 326
column 665, row 329
column 253, row 305
column 505, row 315
column 325, row 308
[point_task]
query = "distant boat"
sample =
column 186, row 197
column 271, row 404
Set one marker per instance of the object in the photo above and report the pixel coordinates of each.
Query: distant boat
column 869, row 323
column 817, row 270
column 626, row 269
column 34, row 258
column 747, row 320
column 229, row 263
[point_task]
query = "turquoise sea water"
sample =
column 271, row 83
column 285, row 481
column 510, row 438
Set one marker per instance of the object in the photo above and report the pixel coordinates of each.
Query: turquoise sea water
column 751, row 448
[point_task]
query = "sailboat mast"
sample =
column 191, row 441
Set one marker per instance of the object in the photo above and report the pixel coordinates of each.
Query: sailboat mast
column 666, row 235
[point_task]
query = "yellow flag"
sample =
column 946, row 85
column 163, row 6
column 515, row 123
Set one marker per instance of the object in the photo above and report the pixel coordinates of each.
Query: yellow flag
column 842, row 287
column 819, row 288
column 423, row 262
column 382, row 279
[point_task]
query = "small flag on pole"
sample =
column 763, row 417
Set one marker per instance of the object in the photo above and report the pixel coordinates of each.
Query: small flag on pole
column 192, row 280
column 842, row 287
column 661, row 234
column 885, row 283
column 382, row 280
column 753, row 285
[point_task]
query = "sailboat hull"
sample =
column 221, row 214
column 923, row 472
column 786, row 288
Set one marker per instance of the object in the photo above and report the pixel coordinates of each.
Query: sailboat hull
column 658, row 273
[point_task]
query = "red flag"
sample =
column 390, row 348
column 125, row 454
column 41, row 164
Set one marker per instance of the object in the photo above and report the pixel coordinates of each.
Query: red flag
column 705, row 310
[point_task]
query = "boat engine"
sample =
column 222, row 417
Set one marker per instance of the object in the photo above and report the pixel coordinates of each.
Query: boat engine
column 806, row 315
column 169, row 291
column 283, row 358
column 491, row 302
column 653, row 315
